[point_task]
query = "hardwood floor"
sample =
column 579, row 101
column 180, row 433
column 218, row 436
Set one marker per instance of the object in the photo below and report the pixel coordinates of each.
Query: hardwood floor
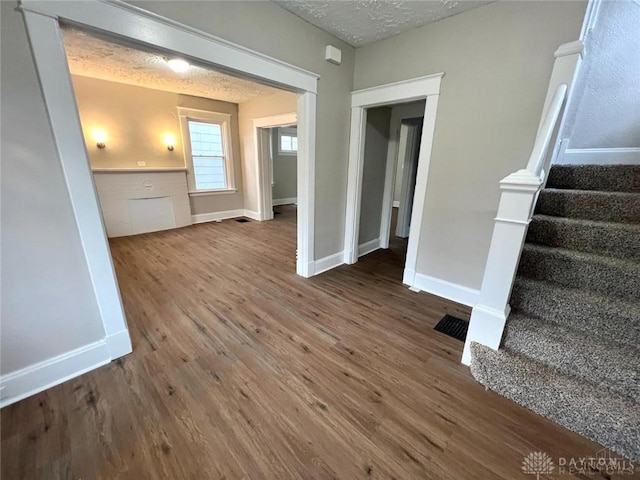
column 243, row 370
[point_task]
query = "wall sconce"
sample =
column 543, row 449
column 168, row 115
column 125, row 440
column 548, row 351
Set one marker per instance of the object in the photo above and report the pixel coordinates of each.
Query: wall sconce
column 100, row 137
column 169, row 141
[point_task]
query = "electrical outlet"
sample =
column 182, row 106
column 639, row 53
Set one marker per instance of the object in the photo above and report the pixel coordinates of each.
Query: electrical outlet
column 142, row 164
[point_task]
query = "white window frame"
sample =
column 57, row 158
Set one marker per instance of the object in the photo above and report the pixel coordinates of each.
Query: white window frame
column 290, row 132
column 222, row 119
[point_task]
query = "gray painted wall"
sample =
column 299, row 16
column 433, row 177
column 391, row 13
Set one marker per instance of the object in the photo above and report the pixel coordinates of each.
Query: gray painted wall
column 497, row 61
column 605, row 109
column 376, row 142
column 285, row 171
column 48, row 304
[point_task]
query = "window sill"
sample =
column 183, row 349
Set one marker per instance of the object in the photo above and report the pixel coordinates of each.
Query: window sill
column 227, row 191
column 288, row 154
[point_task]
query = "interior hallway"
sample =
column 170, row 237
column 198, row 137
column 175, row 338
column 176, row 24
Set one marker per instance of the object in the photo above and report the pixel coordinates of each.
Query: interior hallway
column 241, row 369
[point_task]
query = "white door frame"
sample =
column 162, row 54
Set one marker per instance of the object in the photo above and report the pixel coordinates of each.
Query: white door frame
column 400, row 92
column 263, row 165
column 126, row 21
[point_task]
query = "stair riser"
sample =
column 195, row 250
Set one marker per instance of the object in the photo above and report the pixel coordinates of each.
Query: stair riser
column 614, row 321
column 573, row 272
column 609, row 239
column 607, row 365
column 589, row 206
column 606, row 178
column 597, row 414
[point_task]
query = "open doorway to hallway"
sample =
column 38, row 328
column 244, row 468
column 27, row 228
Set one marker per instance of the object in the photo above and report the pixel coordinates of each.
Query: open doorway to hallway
column 390, row 163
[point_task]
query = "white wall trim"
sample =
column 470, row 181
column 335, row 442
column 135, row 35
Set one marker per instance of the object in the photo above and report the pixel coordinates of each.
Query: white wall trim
column 143, row 26
column 570, row 48
column 442, row 288
column 414, row 89
column 368, row 247
column 139, row 26
column 263, row 165
column 284, row 201
column 598, row 156
column 396, row 204
column 217, row 216
column 253, row 215
column 403, row 91
column 328, row 262
column 49, row 373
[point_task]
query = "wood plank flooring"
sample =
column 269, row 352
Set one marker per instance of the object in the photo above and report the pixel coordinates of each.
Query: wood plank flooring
column 242, row 370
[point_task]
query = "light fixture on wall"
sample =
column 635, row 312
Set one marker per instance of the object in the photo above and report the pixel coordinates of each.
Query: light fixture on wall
column 169, row 141
column 100, row 137
column 178, row 65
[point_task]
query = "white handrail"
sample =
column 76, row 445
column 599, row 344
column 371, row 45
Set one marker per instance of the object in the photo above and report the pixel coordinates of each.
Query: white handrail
column 541, row 146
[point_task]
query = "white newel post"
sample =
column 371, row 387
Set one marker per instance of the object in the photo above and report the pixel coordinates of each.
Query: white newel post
column 519, row 192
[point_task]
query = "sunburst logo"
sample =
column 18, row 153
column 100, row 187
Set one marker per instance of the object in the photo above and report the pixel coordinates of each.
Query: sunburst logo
column 537, row 463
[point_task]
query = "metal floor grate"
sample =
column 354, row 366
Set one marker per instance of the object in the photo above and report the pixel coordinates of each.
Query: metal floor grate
column 453, row 327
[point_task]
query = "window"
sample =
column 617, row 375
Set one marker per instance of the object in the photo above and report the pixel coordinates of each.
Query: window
column 288, row 141
column 207, row 149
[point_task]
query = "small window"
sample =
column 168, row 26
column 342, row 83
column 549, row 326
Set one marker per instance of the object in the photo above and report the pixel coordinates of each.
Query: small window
column 288, row 141
column 207, row 150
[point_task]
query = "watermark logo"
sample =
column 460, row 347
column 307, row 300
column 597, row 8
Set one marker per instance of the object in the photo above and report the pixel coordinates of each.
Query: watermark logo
column 603, row 462
column 537, row 463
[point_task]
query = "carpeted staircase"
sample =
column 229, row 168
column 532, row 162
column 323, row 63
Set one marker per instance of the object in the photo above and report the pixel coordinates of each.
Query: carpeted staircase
column 571, row 349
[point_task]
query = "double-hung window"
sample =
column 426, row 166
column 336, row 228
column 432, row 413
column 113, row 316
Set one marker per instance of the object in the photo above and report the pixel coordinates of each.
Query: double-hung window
column 288, row 141
column 207, row 149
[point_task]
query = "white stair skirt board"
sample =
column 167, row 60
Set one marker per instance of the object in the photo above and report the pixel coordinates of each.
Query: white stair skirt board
column 368, row 247
column 216, row 216
column 328, row 262
column 49, row 373
column 285, row 201
column 451, row 291
column 599, row 156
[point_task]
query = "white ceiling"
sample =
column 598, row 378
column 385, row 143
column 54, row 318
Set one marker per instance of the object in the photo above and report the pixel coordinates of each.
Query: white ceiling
column 92, row 56
column 360, row 22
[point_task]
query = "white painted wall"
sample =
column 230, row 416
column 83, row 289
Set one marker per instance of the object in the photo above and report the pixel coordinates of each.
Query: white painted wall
column 497, row 61
column 48, row 304
column 605, row 108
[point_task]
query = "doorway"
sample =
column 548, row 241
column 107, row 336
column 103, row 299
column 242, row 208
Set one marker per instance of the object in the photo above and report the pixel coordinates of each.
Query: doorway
column 365, row 103
column 137, row 26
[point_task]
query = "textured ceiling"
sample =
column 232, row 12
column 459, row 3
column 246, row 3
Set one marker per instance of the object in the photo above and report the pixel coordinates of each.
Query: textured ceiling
column 359, row 22
column 92, row 56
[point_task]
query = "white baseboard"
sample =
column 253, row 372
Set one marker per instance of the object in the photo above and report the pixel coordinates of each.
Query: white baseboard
column 441, row 288
column 43, row 375
column 599, row 156
column 327, row 263
column 396, row 204
column 368, row 247
column 119, row 344
column 216, row 216
column 252, row 215
column 285, row 201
